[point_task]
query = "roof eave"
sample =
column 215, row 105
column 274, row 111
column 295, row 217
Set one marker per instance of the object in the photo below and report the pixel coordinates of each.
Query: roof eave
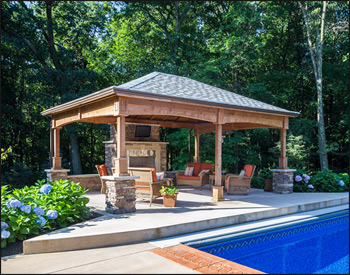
column 80, row 101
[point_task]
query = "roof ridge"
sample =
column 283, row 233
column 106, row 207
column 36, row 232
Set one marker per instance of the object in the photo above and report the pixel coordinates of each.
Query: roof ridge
column 147, row 79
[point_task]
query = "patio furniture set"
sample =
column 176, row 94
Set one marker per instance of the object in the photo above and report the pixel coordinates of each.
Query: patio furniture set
column 199, row 174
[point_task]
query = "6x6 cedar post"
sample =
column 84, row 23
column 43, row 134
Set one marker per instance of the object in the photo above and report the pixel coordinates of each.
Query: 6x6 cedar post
column 121, row 162
column 196, row 146
column 218, row 190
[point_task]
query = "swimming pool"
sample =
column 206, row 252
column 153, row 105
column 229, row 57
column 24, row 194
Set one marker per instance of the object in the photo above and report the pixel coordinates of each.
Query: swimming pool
column 312, row 246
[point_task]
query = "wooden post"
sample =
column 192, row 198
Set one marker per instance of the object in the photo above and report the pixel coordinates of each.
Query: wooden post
column 56, row 160
column 218, row 152
column 196, row 146
column 283, row 160
column 218, row 190
column 51, row 144
column 121, row 162
column 189, row 146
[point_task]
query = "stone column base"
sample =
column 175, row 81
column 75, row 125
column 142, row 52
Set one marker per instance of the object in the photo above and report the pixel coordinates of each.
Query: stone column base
column 120, row 194
column 218, row 193
column 53, row 175
column 282, row 182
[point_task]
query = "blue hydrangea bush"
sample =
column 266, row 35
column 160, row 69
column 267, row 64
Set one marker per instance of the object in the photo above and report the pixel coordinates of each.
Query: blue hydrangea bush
column 30, row 210
column 321, row 181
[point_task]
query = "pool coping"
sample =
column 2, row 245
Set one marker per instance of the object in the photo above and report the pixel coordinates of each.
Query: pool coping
column 238, row 228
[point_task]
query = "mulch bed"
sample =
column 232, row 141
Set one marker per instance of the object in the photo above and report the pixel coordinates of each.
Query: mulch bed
column 17, row 247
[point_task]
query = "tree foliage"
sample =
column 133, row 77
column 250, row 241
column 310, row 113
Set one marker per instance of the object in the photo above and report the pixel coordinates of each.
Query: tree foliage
column 56, row 51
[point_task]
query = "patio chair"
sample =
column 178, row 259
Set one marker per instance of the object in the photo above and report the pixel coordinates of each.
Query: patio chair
column 147, row 185
column 102, row 171
column 240, row 184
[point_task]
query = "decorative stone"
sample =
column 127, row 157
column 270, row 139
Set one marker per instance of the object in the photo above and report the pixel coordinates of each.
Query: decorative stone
column 282, row 182
column 53, row 175
column 120, row 195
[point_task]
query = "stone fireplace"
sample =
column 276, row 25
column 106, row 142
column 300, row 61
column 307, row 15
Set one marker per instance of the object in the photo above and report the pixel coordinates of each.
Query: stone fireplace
column 141, row 151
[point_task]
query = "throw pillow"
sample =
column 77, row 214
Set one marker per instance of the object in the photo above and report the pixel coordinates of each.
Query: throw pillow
column 189, row 171
column 202, row 172
column 160, row 175
column 242, row 173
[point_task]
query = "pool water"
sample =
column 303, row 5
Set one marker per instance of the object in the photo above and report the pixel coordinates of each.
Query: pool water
column 320, row 247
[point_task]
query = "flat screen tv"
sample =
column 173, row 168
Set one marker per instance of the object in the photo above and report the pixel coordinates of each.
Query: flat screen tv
column 142, row 131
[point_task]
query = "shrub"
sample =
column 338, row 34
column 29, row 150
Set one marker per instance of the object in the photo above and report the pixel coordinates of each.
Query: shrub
column 321, row 181
column 28, row 210
column 327, row 181
column 257, row 182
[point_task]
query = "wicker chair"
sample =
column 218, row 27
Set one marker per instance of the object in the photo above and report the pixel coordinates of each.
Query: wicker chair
column 240, row 185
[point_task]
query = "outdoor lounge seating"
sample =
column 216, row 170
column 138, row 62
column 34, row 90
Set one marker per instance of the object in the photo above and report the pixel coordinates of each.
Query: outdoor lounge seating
column 240, row 184
column 102, row 171
column 147, row 186
column 198, row 178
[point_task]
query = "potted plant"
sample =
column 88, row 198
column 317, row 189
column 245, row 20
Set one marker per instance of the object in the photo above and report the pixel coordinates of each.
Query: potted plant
column 169, row 194
column 267, row 174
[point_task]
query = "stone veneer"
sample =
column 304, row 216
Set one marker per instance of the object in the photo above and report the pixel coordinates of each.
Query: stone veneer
column 53, row 175
column 282, row 182
column 120, row 195
column 91, row 182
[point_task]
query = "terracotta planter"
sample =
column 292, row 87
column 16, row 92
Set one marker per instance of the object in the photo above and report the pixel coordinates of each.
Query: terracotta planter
column 268, row 185
column 169, row 200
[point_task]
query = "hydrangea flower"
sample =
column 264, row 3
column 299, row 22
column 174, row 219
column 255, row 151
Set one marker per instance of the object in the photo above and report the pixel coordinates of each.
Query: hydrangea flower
column 38, row 211
column 4, row 225
column 13, row 203
column 5, row 234
column 341, row 183
column 26, row 208
column 45, row 189
column 298, row 178
column 40, row 220
column 310, row 186
column 52, row 214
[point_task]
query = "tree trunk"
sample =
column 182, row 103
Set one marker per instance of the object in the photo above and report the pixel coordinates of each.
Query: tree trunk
column 75, row 153
column 316, row 58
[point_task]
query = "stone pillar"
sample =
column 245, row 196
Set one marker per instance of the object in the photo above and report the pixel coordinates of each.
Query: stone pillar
column 55, row 174
column 120, row 194
column 282, row 182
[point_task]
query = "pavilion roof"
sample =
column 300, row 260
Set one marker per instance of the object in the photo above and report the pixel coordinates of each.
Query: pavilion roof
column 179, row 87
column 161, row 85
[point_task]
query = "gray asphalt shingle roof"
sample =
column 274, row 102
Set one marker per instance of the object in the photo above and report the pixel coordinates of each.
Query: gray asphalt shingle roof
column 163, row 84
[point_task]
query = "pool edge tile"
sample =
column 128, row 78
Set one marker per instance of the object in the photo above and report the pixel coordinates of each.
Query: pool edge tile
column 201, row 261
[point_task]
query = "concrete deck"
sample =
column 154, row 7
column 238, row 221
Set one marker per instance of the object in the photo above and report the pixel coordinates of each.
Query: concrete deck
column 139, row 258
column 194, row 212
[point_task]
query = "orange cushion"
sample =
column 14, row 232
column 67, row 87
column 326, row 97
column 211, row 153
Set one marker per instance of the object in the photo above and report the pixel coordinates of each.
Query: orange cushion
column 248, row 168
column 154, row 175
column 207, row 166
column 197, row 168
column 188, row 178
column 102, row 170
